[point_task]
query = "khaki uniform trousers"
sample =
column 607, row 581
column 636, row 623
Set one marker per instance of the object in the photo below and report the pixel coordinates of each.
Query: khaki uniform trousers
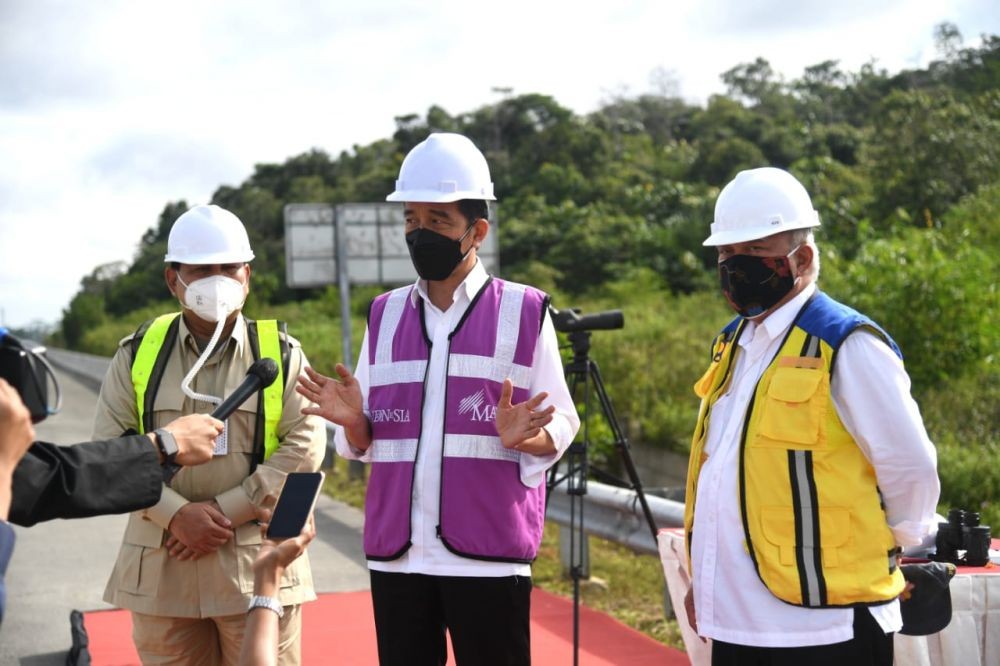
column 209, row 641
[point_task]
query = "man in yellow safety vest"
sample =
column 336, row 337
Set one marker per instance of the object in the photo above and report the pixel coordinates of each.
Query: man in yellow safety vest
column 184, row 568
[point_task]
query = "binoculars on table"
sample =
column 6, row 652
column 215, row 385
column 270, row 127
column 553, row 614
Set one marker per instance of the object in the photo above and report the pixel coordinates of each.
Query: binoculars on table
column 962, row 540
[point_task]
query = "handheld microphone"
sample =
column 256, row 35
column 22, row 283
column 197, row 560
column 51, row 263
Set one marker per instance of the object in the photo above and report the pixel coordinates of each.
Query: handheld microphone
column 260, row 375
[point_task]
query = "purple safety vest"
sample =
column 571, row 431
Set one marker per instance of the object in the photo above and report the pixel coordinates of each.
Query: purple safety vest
column 486, row 512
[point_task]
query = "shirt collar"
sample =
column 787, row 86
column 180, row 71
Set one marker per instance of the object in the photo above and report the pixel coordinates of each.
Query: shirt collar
column 238, row 335
column 781, row 319
column 469, row 287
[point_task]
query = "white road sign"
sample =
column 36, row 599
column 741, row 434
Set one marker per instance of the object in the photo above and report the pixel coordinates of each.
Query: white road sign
column 375, row 244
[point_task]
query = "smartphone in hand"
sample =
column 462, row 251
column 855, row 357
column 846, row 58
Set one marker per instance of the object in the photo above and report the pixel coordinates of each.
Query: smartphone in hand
column 295, row 503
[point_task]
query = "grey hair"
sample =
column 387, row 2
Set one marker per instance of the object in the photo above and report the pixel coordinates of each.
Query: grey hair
column 798, row 237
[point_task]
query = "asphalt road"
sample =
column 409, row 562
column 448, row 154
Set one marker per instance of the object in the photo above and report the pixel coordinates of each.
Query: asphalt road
column 63, row 565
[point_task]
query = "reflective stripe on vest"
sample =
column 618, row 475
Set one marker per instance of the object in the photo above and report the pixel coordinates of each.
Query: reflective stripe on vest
column 145, row 359
column 270, row 347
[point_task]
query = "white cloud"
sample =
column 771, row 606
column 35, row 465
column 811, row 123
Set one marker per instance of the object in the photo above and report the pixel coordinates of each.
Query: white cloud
column 110, row 110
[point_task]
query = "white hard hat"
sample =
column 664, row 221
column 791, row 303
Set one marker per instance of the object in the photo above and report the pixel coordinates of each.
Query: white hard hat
column 759, row 203
column 208, row 235
column 443, row 167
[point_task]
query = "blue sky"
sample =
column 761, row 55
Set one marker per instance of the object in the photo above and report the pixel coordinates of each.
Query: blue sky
column 108, row 110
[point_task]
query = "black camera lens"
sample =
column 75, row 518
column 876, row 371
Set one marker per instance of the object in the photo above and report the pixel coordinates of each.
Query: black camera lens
column 956, row 517
column 971, row 519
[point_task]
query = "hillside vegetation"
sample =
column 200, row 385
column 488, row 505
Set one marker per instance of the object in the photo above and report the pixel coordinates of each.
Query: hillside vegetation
column 608, row 210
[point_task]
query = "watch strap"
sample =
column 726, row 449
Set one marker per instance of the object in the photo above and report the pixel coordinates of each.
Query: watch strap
column 257, row 601
column 169, row 470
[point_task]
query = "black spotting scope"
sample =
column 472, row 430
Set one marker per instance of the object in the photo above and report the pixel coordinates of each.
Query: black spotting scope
column 569, row 319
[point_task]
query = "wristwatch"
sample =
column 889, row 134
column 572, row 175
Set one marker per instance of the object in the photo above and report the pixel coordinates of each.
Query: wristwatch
column 167, row 445
column 258, row 601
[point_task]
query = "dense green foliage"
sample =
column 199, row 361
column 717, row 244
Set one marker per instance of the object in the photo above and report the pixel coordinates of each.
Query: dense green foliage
column 608, row 210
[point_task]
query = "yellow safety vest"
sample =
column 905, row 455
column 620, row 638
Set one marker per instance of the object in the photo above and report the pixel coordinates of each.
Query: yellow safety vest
column 813, row 519
column 152, row 353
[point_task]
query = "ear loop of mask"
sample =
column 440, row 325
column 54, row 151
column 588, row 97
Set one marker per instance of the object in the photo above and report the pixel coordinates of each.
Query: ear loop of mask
column 462, row 238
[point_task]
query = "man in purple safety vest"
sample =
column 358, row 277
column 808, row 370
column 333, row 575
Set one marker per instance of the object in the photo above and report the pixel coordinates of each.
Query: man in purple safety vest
column 460, row 404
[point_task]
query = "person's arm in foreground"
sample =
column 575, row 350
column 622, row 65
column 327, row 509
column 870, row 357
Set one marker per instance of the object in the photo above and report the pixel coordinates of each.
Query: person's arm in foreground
column 16, row 435
column 116, row 475
column 260, row 638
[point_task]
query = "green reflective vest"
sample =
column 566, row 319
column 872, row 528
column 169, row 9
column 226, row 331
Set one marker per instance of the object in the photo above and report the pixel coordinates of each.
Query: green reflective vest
column 151, row 348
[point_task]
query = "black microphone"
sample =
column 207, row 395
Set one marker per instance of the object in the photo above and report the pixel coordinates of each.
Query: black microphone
column 260, row 375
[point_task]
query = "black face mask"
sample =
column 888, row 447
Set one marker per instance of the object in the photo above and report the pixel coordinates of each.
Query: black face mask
column 435, row 256
column 753, row 285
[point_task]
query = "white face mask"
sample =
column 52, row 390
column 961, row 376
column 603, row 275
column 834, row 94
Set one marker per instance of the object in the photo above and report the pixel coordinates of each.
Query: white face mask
column 213, row 298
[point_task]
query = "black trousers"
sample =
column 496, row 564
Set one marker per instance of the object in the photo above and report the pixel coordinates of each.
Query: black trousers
column 487, row 618
column 869, row 647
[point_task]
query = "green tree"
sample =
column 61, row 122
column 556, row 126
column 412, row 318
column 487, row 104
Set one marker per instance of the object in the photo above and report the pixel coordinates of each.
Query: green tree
column 929, row 290
column 930, row 149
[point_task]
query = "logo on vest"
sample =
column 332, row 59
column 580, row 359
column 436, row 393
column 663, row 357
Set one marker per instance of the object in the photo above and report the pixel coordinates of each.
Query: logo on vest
column 474, row 407
column 390, row 416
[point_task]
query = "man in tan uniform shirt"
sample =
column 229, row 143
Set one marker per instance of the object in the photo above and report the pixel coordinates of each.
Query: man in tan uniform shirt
column 185, row 564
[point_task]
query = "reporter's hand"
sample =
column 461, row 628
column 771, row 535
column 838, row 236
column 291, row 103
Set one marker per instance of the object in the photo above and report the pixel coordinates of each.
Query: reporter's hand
column 276, row 554
column 16, row 431
column 195, row 435
column 199, row 526
column 689, row 611
column 16, row 435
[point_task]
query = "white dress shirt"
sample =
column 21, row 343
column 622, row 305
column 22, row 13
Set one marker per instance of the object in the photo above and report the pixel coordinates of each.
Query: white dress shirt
column 871, row 392
column 427, row 555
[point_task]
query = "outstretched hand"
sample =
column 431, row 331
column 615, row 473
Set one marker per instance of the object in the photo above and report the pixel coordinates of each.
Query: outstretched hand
column 520, row 425
column 340, row 401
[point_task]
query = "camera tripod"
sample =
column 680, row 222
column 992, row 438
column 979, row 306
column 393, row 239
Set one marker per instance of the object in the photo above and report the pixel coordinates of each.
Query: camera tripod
column 583, row 370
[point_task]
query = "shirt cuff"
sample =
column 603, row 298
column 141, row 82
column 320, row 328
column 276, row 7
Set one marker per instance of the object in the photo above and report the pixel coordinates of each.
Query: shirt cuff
column 163, row 511
column 346, row 450
column 533, row 468
column 910, row 533
column 236, row 506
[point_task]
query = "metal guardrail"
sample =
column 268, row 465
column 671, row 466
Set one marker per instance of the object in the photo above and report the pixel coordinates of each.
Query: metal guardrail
column 88, row 368
column 615, row 514
column 608, row 512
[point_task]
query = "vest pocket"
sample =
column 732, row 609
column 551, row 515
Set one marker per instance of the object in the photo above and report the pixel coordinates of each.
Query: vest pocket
column 781, row 532
column 793, row 409
column 140, row 568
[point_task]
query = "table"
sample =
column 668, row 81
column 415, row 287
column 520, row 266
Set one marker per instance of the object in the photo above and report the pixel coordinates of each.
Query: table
column 972, row 637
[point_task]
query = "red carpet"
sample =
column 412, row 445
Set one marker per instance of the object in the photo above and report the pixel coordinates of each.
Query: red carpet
column 338, row 629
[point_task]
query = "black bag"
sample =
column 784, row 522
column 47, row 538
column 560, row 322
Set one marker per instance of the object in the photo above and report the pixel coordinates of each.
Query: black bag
column 927, row 609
